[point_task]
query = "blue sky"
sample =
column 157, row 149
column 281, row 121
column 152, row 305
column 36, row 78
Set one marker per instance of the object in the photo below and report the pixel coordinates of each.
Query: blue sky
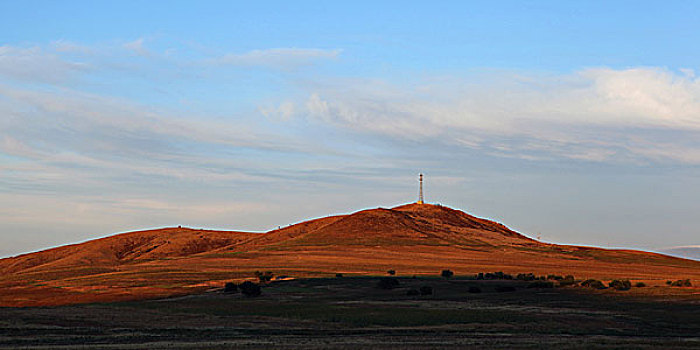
column 575, row 121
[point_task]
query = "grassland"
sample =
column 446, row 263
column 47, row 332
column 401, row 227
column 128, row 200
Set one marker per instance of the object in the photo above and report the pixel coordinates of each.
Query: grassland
column 351, row 312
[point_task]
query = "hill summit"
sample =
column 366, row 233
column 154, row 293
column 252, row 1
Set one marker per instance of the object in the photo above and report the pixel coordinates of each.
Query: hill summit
column 412, row 239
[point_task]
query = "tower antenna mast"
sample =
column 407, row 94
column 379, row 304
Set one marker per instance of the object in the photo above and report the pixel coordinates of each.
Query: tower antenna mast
column 420, row 192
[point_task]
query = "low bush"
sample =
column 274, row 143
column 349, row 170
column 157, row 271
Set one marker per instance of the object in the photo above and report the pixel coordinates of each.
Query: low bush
column 526, row 277
column 426, row 290
column 591, row 283
column 541, row 284
column 682, row 283
column 230, row 287
column 447, row 273
column 567, row 281
column 391, row 272
column 640, row 284
column 620, row 284
column 555, row 277
column 250, row 289
column 264, row 276
column 474, row 289
column 387, row 283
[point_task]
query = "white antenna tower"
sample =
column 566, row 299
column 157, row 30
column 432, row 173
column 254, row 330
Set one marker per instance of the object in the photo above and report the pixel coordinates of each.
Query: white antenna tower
column 420, row 192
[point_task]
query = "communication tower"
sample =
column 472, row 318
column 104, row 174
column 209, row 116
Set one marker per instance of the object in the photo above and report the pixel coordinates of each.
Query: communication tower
column 420, row 192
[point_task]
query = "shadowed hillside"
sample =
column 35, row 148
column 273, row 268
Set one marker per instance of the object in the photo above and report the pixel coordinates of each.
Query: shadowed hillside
column 413, row 239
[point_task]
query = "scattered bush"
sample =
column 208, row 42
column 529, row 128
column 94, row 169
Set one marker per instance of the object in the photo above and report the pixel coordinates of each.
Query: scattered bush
column 447, row 273
column 338, row 275
column 250, row 289
column 640, row 285
column 567, row 281
column 230, row 287
column 388, row 283
column 391, row 272
column 497, row 276
column 526, row 277
column 264, row 276
column 474, row 289
column 555, row 277
column 682, row 283
column 503, row 289
column 413, row 292
column 591, row 283
column 620, row 284
column 541, row 284
column 426, row 290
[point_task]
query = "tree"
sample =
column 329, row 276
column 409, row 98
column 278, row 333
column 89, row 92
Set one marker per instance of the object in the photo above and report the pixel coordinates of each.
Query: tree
column 250, row 289
column 264, row 276
column 230, row 287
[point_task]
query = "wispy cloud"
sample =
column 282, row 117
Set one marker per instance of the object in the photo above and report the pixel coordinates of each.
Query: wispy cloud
column 37, row 65
column 278, row 57
column 137, row 46
column 641, row 114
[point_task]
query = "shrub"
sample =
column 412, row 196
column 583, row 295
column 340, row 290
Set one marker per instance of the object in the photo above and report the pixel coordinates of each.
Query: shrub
column 503, row 289
column 338, row 275
column 264, row 276
column 447, row 273
column 591, row 283
column 526, row 277
column 567, row 281
column 555, row 277
column 640, row 284
column 480, row 276
column 388, row 283
column 250, row 289
column 620, row 284
column 541, row 284
column 391, row 272
column 426, row 290
column 413, row 292
column 682, row 283
column 474, row 289
column 230, row 287
column 669, row 282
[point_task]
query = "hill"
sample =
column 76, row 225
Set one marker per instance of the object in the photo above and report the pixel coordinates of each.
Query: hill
column 412, row 239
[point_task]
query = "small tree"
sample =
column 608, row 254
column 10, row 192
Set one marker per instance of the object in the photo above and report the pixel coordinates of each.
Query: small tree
column 230, row 287
column 620, row 284
column 264, row 276
column 447, row 273
column 250, row 289
column 387, row 283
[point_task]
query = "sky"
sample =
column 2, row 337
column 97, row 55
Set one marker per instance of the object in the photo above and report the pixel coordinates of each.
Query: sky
column 578, row 122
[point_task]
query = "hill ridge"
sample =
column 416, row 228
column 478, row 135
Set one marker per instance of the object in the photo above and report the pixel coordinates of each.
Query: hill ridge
column 411, row 238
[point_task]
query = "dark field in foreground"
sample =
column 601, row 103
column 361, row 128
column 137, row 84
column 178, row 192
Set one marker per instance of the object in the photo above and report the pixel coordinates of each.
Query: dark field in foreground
column 349, row 313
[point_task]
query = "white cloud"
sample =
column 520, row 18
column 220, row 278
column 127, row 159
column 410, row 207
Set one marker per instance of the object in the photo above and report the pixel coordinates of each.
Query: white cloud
column 36, row 65
column 137, row 47
column 600, row 114
column 278, row 57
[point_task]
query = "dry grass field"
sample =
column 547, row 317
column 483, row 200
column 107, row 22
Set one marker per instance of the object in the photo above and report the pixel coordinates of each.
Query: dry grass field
column 353, row 313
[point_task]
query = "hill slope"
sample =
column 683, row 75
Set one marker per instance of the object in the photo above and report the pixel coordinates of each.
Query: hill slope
column 412, row 239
